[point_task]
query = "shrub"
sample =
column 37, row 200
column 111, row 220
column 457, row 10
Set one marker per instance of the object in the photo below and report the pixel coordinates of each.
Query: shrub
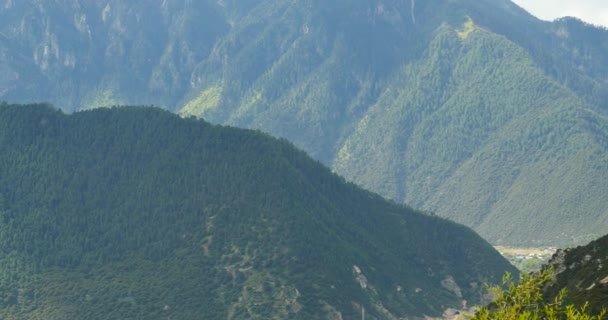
column 524, row 301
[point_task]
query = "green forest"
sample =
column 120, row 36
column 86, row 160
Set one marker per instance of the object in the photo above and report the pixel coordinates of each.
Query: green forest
column 582, row 273
column 136, row 213
column 472, row 109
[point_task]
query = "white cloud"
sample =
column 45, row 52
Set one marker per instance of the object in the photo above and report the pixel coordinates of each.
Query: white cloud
column 594, row 11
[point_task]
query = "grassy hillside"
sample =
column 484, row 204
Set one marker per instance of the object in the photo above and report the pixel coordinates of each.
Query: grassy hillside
column 472, row 109
column 138, row 214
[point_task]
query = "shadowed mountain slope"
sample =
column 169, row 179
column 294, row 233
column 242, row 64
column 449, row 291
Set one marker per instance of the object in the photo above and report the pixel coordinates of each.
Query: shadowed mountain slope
column 139, row 214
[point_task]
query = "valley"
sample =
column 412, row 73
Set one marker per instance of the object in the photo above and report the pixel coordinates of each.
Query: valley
column 309, row 159
column 527, row 259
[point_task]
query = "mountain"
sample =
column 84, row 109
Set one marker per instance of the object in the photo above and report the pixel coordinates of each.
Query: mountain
column 583, row 273
column 471, row 109
column 136, row 213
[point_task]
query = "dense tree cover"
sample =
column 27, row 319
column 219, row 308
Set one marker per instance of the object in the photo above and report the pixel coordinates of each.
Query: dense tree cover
column 472, row 109
column 135, row 213
column 582, row 272
column 477, row 132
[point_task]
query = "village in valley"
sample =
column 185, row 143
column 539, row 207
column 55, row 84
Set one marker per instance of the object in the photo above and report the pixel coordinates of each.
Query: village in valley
column 527, row 259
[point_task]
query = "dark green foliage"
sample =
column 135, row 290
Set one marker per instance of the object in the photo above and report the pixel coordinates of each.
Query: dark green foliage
column 135, row 213
column 472, row 109
column 583, row 272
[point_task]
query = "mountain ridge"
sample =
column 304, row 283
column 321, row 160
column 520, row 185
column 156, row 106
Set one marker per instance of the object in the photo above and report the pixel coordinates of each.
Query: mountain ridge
column 423, row 102
column 134, row 212
column 581, row 272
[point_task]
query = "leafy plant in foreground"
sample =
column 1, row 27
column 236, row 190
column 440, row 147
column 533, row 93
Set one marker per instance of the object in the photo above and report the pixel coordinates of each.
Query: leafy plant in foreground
column 524, row 301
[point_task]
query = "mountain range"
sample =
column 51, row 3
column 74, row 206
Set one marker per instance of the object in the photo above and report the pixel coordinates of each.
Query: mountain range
column 471, row 109
column 136, row 213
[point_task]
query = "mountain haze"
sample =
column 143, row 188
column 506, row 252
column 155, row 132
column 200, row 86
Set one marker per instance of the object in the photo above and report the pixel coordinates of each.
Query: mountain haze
column 472, row 109
column 135, row 213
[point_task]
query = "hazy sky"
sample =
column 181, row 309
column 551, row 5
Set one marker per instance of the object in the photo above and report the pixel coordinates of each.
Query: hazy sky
column 594, row 11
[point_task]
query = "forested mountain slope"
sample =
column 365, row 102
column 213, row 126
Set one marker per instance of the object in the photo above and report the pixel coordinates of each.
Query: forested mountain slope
column 472, row 109
column 582, row 271
column 135, row 213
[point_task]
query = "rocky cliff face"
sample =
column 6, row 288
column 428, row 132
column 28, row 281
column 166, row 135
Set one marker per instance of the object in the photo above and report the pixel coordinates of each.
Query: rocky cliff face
column 79, row 53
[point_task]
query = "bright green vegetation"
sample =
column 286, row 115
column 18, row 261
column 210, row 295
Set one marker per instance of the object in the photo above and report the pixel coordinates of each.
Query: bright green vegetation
column 101, row 99
column 583, row 272
column 136, row 213
column 524, row 301
column 527, row 265
column 467, row 28
column 471, row 109
column 573, row 286
column 209, row 99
